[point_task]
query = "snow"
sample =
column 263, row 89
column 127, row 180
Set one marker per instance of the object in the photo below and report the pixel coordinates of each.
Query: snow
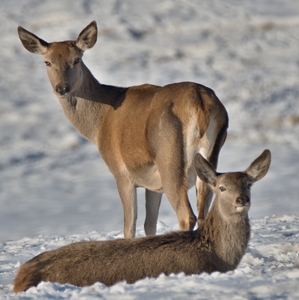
column 269, row 269
column 54, row 187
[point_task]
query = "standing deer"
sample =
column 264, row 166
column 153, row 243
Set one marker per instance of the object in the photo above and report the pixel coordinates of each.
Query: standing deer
column 147, row 135
column 218, row 244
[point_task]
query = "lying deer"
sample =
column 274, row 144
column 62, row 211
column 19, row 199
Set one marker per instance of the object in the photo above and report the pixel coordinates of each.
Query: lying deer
column 147, row 134
column 217, row 245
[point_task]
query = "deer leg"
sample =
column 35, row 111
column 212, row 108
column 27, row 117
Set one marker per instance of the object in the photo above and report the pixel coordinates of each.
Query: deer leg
column 171, row 165
column 204, row 199
column 175, row 187
column 204, row 192
column 152, row 205
column 178, row 198
column 128, row 196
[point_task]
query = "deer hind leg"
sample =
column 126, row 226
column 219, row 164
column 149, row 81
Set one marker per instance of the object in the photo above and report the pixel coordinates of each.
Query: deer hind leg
column 175, row 187
column 178, row 198
column 152, row 205
column 204, row 199
column 204, row 193
column 171, row 165
column 127, row 192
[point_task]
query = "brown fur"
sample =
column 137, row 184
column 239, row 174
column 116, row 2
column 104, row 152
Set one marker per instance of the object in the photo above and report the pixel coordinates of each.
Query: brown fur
column 217, row 245
column 147, row 134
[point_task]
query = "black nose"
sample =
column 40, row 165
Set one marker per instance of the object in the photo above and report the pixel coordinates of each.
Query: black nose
column 62, row 90
column 243, row 200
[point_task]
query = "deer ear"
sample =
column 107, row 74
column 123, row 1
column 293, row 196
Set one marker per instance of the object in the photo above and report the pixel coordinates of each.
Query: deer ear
column 260, row 166
column 88, row 37
column 204, row 170
column 32, row 42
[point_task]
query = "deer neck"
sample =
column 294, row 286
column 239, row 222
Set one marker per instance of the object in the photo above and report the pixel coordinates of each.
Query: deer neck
column 228, row 236
column 86, row 107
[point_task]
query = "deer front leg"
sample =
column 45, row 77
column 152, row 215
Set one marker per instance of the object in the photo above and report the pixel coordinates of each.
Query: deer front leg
column 127, row 192
column 152, row 205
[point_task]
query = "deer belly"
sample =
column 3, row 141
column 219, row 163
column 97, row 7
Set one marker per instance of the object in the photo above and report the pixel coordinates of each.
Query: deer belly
column 148, row 178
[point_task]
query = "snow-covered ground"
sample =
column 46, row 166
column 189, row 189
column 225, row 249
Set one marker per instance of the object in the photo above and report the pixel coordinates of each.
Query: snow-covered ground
column 269, row 269
column 54, row 187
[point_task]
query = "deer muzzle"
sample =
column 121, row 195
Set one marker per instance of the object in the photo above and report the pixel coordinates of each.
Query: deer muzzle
column 62, row 89
column 242, row 203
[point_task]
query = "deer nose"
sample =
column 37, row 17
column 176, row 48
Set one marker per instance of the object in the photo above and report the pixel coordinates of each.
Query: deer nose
column 62, row 90
column 243, row 200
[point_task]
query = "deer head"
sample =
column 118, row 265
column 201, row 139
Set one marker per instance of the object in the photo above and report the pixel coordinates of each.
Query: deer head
column 232, row 190
column 62, row 59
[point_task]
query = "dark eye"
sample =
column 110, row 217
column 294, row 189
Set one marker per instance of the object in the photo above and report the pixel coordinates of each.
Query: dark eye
column 222, row 188
column 249, row 185
column 48, row 64
column 76, row 61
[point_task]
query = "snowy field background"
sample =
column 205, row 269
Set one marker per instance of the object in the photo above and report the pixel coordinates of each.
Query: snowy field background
column 54, row 187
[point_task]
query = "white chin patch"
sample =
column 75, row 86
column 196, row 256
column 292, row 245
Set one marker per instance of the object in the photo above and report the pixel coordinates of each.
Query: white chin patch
column 241, row 208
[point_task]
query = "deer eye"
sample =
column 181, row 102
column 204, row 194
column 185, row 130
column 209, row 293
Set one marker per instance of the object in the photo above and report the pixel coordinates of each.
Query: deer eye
column 249, row 185
column 76, row 61
column 48, row 64
column 222, row 188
